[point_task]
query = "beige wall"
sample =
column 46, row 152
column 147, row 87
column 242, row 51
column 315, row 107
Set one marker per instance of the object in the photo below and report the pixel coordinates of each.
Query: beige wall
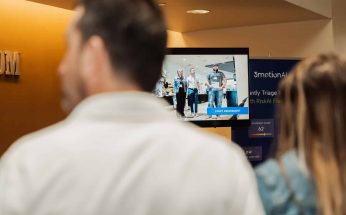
column 175, row 39
column 339, row 25
column 298, row 39
column 323, row 7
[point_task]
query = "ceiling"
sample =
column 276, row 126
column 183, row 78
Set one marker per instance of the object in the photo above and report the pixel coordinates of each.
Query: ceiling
column 224, row 13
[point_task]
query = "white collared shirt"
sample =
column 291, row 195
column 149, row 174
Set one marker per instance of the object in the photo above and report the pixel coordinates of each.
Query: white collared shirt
column 124, row 153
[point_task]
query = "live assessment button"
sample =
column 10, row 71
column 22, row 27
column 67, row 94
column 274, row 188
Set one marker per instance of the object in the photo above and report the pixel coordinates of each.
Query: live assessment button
column 228, row 111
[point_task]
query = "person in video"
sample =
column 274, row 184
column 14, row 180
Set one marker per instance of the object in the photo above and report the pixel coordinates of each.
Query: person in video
column 308, row 175
column 216, row 81
column 231, row 93
column 192, row 91
column 160, row 88
column 120, row 150
column 180, row 88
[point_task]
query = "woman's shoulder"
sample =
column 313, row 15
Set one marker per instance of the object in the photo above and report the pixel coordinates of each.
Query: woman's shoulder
column 276, row 194
column 270, row 171
column 270, row 182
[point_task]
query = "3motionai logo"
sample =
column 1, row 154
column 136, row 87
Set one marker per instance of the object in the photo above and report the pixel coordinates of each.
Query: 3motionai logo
column 9, row 63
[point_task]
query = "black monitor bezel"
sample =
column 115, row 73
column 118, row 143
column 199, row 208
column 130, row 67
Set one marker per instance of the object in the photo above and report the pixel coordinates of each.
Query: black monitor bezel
column 216, row 51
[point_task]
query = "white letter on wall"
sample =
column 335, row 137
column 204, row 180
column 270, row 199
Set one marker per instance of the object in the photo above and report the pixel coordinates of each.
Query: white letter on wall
column 12, row 63
column 2, row 62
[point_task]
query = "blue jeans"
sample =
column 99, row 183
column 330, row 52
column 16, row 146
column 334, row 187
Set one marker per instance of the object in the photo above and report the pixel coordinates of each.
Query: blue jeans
column 192, row 95
column 215, row 95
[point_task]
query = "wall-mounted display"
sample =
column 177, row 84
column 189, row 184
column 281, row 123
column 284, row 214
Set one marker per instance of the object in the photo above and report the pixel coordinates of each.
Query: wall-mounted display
column 206, row 86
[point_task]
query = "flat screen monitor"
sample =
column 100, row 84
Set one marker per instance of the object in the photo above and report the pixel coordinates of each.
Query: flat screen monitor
column 206, row 86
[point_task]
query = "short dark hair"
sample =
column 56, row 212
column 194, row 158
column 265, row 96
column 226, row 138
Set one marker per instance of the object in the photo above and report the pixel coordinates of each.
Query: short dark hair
column 134, row 33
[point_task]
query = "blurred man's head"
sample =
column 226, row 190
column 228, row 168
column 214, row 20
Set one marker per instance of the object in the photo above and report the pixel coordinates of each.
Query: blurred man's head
column 216, row 68
column 112, row 45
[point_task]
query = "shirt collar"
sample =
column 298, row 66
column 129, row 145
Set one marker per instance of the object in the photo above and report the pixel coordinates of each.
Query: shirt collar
column 123, row 106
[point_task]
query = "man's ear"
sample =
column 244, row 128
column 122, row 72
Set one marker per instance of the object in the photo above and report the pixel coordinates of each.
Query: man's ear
column 94, row 60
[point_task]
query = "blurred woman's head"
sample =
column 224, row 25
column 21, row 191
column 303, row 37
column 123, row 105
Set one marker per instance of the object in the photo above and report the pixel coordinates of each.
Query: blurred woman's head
column 313, row 121
column 192, row 71
column 180, row 72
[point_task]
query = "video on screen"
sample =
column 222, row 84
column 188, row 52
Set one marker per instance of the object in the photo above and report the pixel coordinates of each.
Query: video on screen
column 205, row 87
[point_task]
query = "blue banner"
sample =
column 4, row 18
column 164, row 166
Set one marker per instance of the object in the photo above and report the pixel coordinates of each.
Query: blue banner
column 259, row 140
